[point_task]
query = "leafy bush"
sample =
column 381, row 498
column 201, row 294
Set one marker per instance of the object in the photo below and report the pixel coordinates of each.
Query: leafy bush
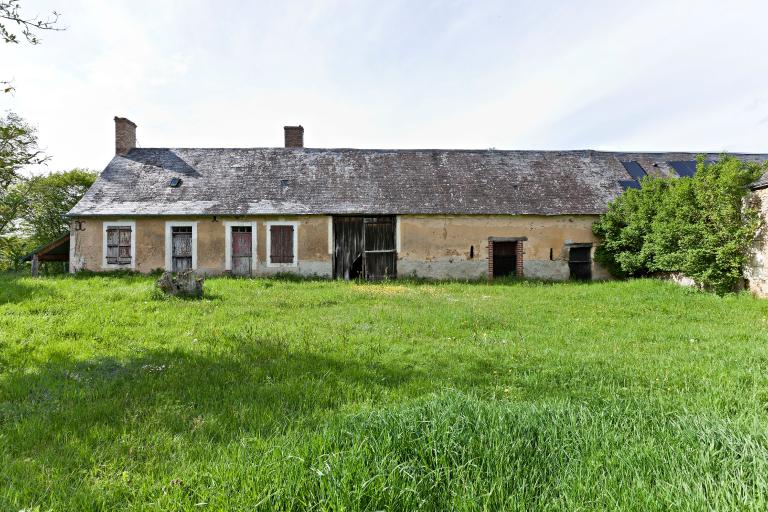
column 699, row 226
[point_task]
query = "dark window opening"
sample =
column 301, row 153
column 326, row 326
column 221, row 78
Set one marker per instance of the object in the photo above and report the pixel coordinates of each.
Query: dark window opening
column 181, row 248
column 471, row 251
column 241, row 229
column 175, row 182
column 580, row 262
column 551, row 254
column 281, row 244
column 119, row 245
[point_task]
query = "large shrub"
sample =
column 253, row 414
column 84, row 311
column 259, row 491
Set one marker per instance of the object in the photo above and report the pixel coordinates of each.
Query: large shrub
column 699, row 226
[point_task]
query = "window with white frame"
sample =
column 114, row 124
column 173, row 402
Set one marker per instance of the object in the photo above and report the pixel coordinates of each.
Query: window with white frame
column 180, row 246
column 119, row 247
column 282, row 244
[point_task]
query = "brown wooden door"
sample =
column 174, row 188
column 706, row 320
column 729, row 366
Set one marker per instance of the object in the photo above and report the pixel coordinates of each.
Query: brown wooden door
column 242, row 256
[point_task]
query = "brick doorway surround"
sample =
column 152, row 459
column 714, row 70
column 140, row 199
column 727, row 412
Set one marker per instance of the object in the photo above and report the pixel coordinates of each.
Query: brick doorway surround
column 518, row 241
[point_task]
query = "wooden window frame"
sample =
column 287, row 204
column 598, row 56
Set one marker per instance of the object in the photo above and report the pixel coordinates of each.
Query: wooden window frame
column 169, row 225
column 295, row 261
column 228, row 225
column 118, row 224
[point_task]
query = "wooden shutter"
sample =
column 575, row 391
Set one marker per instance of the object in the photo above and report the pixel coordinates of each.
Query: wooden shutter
column 281, row 244
column 119, row 245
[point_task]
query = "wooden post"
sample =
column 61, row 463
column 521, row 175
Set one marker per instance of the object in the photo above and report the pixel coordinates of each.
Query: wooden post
column 35, row 265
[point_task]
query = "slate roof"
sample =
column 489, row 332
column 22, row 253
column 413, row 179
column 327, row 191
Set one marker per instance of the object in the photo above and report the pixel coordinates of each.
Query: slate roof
column 287, row 181
column 760, row 183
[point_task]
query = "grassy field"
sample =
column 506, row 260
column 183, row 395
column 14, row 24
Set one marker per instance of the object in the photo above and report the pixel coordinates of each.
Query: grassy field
column 273, row 394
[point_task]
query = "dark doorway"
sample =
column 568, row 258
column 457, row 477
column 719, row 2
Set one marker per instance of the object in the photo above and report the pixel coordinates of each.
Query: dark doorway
column 242, row 255
column 504, row 258
column 580, row 262
column 364, row 247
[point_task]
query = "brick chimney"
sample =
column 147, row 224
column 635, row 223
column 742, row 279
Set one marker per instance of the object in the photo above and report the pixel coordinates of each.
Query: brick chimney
column 125, row 135
column 294, row 136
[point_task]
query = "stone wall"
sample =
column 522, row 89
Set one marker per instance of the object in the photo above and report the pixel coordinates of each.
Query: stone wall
column 756, row 273
column 456, row 247
column 314, row 258
column 439, row 247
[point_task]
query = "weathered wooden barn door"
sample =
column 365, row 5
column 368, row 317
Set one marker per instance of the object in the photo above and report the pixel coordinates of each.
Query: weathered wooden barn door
column 380, row 256
column 347, row 247
column 364, row 247
column 242, row 256
column 181, row 244
column 504, row 258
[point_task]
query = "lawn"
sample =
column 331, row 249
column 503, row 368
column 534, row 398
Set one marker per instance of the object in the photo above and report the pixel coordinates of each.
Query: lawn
column 288, row 395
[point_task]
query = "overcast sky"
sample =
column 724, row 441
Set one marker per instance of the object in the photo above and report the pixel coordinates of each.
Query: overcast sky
column 645, row 75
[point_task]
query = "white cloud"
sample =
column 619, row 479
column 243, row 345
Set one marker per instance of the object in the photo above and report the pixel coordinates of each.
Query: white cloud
column 634, row 75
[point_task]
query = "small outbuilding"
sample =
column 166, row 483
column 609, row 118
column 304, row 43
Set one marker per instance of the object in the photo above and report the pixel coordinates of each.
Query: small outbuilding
column 57, row 250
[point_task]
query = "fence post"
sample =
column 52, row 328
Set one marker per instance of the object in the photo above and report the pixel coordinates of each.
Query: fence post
column 35, row 265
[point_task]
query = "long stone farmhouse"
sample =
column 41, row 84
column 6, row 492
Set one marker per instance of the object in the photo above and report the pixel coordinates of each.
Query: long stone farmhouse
column 349, row 213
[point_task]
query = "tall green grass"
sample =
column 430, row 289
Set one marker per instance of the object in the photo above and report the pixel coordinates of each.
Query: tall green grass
column 277, row 394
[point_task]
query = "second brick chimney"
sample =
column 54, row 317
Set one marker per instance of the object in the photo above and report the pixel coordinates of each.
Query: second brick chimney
column 294, row 136
column 125, row 135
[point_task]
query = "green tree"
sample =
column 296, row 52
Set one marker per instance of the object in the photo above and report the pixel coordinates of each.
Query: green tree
column 18, row 147
column 12, row 249
column 625, row 227
column 716, row 245
column 47, row 199
column 699, row 226
column 15, row 26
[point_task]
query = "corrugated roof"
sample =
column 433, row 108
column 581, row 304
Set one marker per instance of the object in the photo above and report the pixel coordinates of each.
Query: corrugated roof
column 361, row 181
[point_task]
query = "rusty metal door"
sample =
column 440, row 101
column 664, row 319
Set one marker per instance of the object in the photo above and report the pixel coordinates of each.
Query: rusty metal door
column 181, row 244
column 242, row 257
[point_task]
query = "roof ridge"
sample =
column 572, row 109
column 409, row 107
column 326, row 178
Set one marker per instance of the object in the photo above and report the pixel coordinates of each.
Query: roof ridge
column 455, row 150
